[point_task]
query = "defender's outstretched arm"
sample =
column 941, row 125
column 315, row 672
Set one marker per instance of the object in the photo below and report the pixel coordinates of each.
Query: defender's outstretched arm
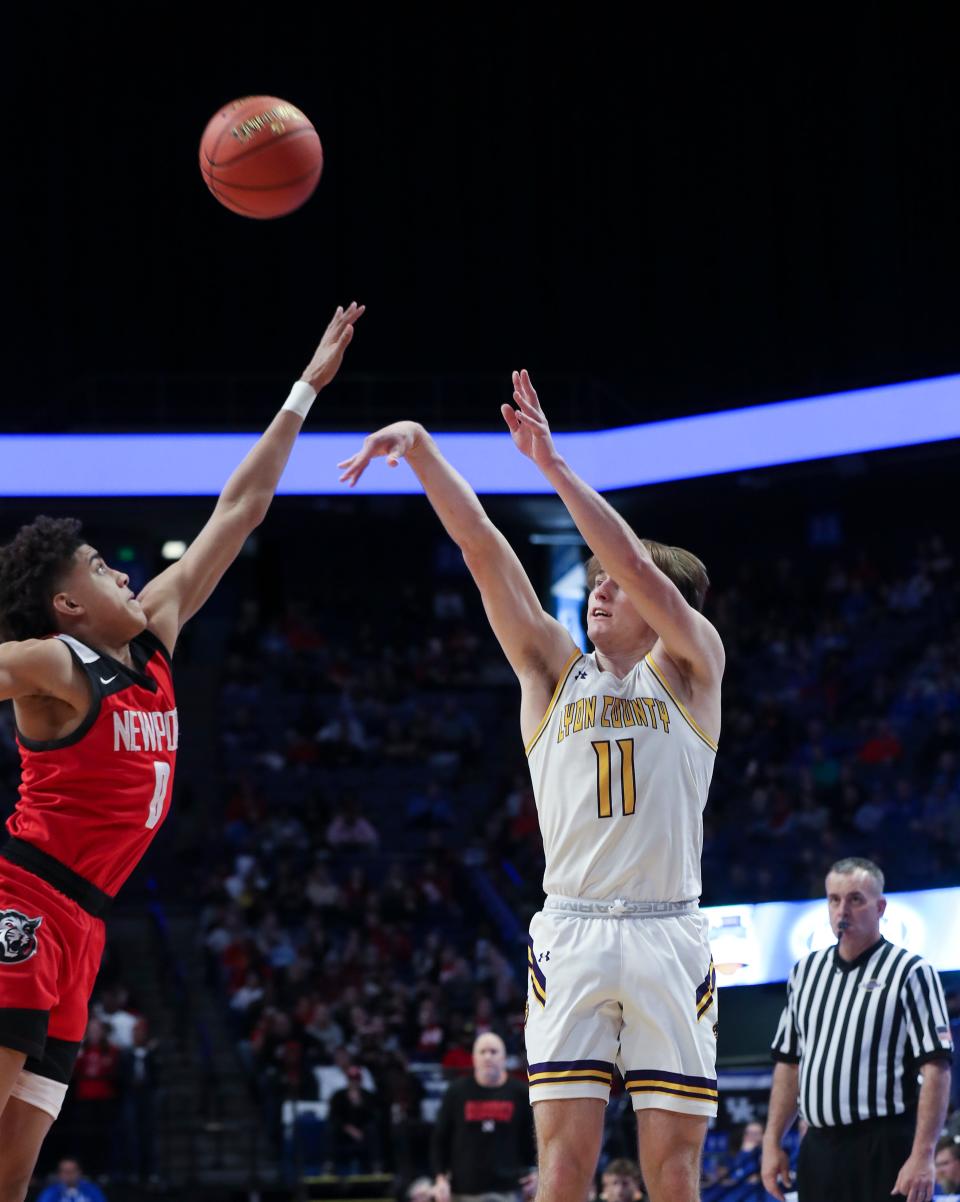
column 173, row 597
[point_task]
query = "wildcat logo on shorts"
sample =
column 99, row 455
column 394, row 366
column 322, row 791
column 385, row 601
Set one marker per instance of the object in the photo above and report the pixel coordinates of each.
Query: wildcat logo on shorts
column 18, row 936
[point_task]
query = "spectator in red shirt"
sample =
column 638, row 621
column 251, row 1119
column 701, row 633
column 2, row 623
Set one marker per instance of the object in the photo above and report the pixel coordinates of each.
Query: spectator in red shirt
column 96, row 1094
column 883, row 747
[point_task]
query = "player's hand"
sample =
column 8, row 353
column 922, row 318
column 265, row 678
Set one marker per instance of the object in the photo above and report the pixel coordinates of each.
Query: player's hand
column 915, row 1180
column 774, row 1169
column 394, row 442
column 528, row 1186
column 527, row 423
column 441, row 1189
column 329, row 354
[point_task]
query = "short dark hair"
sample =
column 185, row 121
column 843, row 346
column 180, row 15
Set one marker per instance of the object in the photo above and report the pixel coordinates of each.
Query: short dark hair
column 31, row 566
column 858, row 864
column 949, row 1143
column 686, row 571
column 622, row 1168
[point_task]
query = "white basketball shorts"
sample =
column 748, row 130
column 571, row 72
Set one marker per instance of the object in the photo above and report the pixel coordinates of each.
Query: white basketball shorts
column 625, row 984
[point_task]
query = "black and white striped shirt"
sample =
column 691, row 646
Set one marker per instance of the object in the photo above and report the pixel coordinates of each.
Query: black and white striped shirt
column 860, row 1030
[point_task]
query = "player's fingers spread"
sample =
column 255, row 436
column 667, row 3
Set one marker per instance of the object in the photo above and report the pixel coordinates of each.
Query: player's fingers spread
column 509, row 415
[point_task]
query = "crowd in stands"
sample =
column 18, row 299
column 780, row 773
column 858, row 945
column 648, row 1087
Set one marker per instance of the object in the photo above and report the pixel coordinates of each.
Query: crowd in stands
column 371, row 781
column 376, row 804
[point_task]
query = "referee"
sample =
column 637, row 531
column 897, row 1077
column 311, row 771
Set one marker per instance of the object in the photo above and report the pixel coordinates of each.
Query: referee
column 863, row 1019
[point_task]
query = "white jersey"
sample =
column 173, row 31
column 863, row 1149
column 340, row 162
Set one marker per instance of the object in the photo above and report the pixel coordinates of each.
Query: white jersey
column 620, row 775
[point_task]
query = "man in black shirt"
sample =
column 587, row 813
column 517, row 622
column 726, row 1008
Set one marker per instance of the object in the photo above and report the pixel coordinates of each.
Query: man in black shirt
column 864, row 1018
column 483, row 1140
column 353, row 1127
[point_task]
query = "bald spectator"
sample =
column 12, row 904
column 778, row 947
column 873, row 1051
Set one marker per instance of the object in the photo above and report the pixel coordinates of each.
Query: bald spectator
column 483, row 1140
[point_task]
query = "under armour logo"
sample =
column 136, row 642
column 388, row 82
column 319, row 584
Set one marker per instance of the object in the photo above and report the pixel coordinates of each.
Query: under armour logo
column 543, row 956
column 581, row 675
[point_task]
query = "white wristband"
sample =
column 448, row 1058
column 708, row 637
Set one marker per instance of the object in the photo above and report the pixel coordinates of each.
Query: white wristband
column 300, row 399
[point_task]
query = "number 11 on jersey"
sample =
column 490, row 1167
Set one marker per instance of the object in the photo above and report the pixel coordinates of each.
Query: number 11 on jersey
column 628, row 783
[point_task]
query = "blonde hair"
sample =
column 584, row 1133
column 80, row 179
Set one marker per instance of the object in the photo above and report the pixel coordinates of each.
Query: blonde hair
column 686, row 571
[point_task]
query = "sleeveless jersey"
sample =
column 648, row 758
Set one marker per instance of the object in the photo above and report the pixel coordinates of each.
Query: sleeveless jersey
column 620, row 775
column 95, row 799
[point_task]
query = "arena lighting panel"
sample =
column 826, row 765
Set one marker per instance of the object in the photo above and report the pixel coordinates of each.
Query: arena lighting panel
column 844, row 423
column 758, row 944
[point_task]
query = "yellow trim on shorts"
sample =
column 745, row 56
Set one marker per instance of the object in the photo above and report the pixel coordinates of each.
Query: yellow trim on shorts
column 575, row 655
column 691, row 721
column 673, row 1087
column 571, row 1076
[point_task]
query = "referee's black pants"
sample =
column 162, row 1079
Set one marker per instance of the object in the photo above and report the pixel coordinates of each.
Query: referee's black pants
column 857, row 1163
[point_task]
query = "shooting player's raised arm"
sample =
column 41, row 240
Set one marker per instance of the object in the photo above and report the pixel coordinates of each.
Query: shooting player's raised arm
column 536, row 645
column 689, row 638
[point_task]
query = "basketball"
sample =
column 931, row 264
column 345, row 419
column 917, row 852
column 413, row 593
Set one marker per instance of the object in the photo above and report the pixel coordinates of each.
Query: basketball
column 261, row 157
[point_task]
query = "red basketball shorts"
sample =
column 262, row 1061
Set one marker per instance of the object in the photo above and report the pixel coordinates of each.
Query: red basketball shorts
column 50, row 951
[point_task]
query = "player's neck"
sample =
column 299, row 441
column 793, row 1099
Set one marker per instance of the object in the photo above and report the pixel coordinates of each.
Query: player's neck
column 118, row 651
column 622, row 662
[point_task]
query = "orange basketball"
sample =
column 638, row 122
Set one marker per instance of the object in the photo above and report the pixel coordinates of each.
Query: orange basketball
column 261, row 157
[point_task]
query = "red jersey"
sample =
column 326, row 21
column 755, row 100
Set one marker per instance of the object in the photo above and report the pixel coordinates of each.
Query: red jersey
column 95, row 799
